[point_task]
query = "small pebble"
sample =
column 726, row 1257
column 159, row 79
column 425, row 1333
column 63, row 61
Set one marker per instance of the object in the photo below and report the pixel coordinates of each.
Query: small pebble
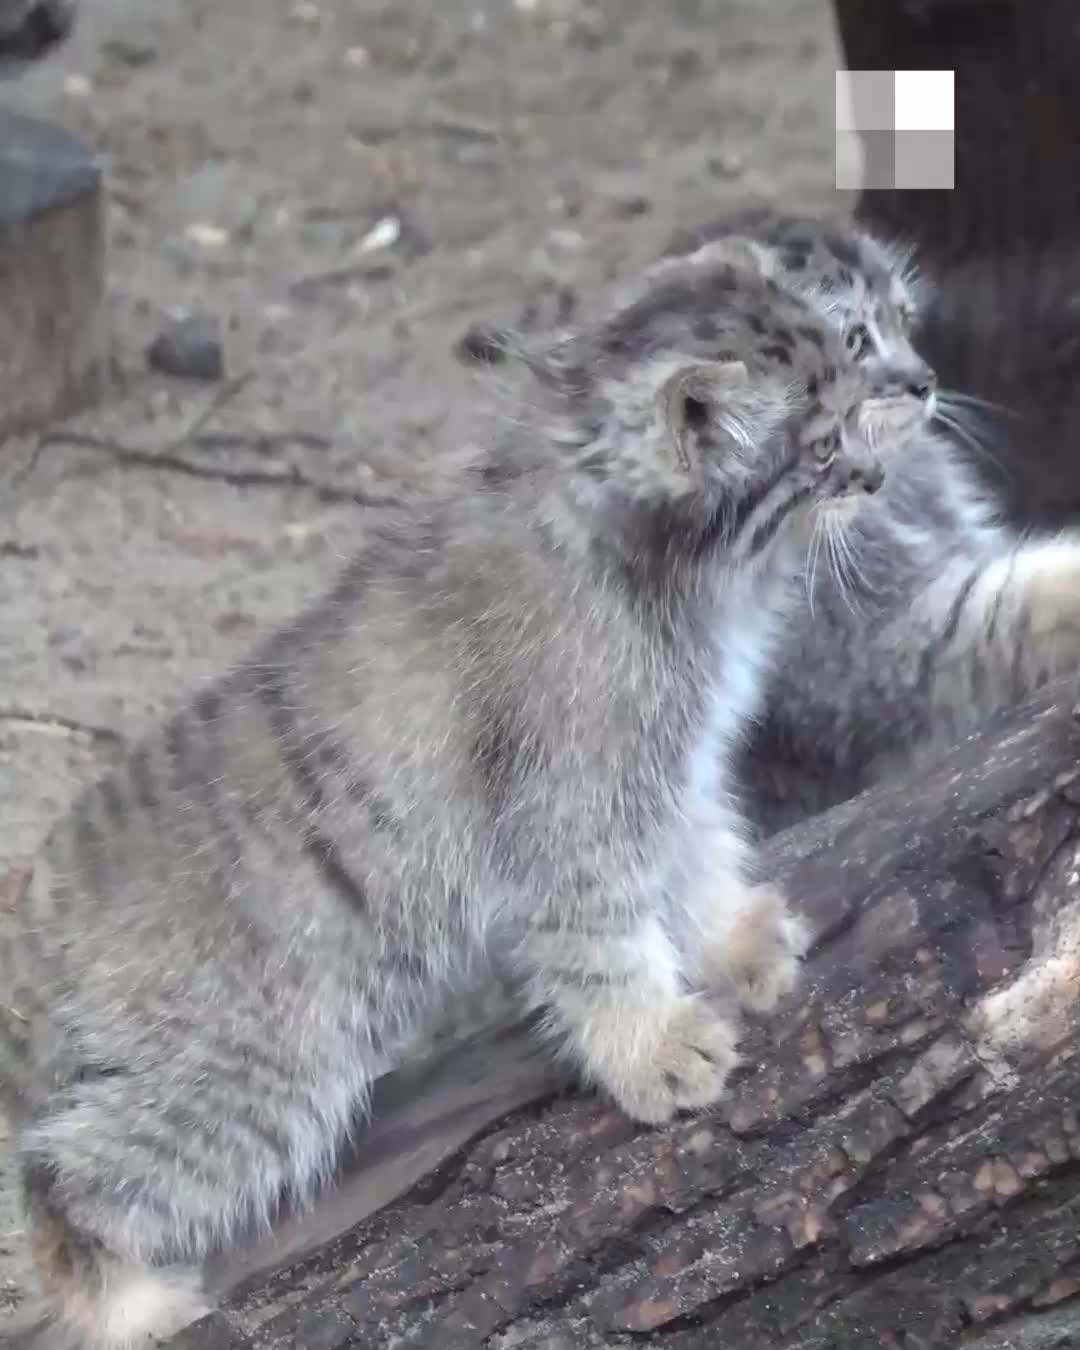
column 305, row 14
column 569, row 241
column 207, row 235
column 727, row 164
column 128, row 53
column 628, row 207
column 383, row 234
column 190, row 349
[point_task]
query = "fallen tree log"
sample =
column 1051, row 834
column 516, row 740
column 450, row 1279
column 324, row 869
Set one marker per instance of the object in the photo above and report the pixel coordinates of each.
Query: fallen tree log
column 52, row 274
column 898, row 1163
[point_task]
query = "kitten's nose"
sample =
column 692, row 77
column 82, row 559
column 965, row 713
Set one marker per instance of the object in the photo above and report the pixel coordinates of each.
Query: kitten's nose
column 922, row 384
column 866, row 478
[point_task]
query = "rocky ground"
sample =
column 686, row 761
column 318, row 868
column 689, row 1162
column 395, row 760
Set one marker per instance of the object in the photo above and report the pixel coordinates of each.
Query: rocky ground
column 345, row 186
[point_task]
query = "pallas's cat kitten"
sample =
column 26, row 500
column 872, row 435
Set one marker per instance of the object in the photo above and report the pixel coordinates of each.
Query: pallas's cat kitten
column 513, row 714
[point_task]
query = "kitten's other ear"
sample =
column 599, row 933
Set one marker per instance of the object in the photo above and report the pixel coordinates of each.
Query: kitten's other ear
column 738, row 251
column 564, row 386
column 708, row 407
column 561, row 365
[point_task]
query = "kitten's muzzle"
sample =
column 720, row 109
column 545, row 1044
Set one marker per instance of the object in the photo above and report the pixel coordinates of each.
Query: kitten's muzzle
column 922, row 386
column 858, row 479
column 918, row 384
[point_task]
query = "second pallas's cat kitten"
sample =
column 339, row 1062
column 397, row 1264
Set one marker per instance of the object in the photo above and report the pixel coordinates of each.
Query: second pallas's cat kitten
column 514, row 713
column 934, row 613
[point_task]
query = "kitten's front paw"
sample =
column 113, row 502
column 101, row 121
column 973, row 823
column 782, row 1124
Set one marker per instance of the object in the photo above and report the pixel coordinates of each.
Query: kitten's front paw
column 761, row 953
column 683, row 1067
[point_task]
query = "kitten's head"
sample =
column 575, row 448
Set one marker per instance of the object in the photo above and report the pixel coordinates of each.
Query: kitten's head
column 717, row 398
column 867, row 290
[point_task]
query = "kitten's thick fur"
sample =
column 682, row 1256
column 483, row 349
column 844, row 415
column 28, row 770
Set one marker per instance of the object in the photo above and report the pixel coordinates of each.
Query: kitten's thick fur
column 936, row 614
column 513, row 716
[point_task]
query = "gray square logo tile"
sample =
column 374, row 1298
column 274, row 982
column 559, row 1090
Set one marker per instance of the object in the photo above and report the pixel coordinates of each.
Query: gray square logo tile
column 879, row 159
column 925, row 159
column 870, row 100
column 849, row 161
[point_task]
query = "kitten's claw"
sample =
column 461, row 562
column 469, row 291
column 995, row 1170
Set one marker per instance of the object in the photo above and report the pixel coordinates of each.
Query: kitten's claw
column 683, row 1067
column 761, row 953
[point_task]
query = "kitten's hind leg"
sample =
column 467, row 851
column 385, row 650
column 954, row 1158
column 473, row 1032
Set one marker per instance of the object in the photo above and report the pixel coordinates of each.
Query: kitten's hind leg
column 133, row 1176
column 94, row 1299
column 614, row 992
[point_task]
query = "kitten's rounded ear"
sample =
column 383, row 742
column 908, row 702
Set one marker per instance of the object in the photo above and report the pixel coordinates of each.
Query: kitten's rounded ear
column 699, row 399
column 735, row 250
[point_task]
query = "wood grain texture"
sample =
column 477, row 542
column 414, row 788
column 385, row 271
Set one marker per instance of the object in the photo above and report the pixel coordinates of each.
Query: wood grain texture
column 898, row 1157
column 51, row 274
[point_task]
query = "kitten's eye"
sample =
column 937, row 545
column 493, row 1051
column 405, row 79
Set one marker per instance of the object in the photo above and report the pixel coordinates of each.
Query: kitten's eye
column 858, row 341
column 695, row 413
column 824, row 453
column 826, row 447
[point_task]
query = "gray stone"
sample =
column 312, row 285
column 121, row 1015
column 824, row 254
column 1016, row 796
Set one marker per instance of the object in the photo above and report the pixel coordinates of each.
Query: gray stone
column 190, row 349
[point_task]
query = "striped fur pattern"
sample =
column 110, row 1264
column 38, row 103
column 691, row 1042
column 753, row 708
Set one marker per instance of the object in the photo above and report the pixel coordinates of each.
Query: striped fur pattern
column 509, row 724
column 934, row 614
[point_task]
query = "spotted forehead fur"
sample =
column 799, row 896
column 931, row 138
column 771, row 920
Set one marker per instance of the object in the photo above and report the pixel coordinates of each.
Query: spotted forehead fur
column 720, row 303
column 852, row 270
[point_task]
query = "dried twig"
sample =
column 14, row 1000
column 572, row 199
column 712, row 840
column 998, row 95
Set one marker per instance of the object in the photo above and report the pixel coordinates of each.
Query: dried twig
column 166, row 461
column 52, row 724
column 11, row 548
column 220, row 397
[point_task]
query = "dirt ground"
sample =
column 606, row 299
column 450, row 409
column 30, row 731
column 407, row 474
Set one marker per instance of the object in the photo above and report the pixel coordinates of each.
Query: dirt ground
column 347, row 184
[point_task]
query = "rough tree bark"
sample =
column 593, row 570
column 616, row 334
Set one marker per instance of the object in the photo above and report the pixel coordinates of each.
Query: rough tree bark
column 897, row 1164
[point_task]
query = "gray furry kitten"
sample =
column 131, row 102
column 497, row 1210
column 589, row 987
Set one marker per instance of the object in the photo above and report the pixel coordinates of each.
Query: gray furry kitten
column 513, row 715
column 933, row 614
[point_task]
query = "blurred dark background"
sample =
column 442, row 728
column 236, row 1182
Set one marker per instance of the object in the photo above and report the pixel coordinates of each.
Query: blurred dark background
column 1005, row 244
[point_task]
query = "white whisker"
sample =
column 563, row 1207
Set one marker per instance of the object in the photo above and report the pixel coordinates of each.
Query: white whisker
column 835, row 569
column 812, row 557
column 844, row 567
column 954, row 421
column 847, row 541
column 955, row 396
